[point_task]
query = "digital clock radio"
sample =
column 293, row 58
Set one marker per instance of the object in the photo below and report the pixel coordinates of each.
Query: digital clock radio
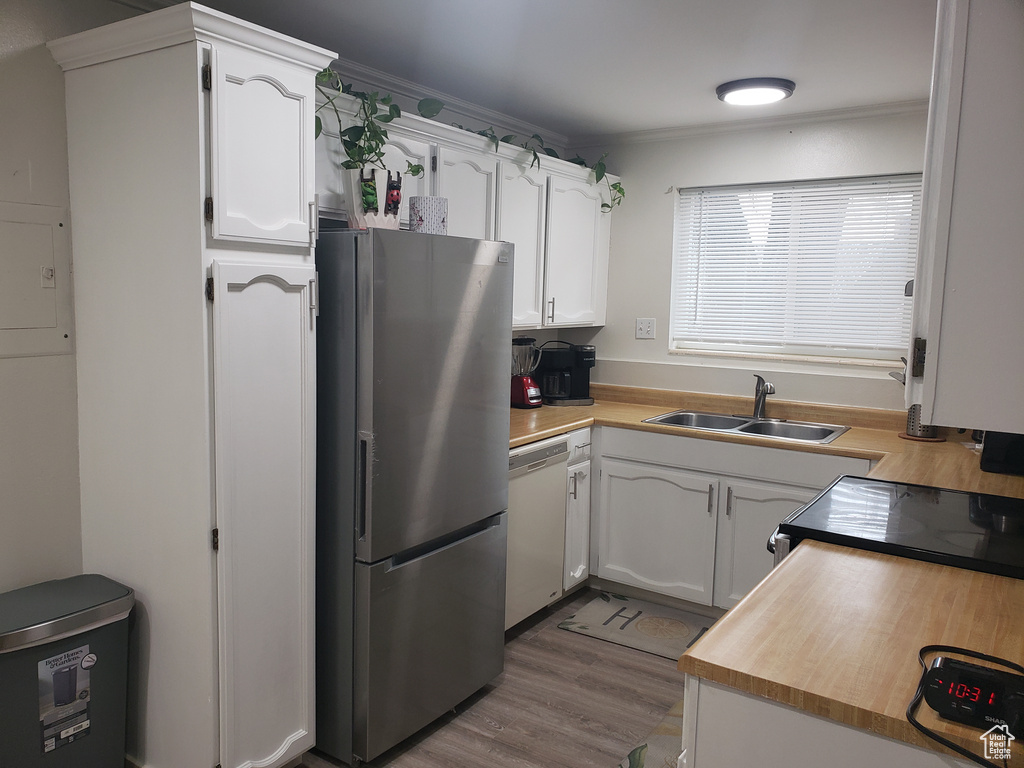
column 974, row 695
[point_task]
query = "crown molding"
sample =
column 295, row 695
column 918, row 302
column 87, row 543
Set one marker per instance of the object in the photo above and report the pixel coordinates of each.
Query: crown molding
column 893, row 109
column 454, row 107
column 174, row 25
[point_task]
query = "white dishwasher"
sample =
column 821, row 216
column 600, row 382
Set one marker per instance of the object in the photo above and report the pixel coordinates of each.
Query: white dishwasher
column 536, row 527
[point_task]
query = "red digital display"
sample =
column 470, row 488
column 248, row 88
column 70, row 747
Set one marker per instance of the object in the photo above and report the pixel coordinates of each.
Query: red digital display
column 964, row 691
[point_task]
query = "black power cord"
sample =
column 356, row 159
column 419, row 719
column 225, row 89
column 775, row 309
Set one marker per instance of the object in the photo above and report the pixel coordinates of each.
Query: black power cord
column 929, row 649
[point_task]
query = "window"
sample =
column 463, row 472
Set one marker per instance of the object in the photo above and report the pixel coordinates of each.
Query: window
column 796, row 269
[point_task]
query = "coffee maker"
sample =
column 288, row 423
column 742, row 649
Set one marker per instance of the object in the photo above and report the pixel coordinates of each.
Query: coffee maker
column 564, row 373
column 525, row 357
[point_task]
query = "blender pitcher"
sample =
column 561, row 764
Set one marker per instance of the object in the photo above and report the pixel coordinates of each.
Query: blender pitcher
column 525, row 358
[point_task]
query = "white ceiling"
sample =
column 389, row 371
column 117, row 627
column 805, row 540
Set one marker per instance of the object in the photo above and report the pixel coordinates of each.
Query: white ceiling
column 590, row 68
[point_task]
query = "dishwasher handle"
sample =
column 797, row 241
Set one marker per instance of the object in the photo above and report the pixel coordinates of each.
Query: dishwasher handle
column 530, row 459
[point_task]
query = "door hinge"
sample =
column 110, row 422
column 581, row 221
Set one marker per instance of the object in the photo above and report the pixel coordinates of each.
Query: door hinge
column 209, row 289
column 207, row 77
column 917, row 363
column 433, row 163
column 208, row 209
column 216, row 539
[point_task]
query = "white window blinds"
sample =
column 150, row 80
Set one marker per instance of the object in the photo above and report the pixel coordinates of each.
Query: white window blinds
column 815, row 268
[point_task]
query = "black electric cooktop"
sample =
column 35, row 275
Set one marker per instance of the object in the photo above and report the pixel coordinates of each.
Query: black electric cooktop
column 966, row 530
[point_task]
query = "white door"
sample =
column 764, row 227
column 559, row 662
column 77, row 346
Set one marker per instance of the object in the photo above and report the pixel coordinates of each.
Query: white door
column 572, row 280
column 401, row 150
column 656, row 529
column 577, row 526
column 261, row 143
column 752, row 510
column 522, row 202
column 264, row 366
column 470, row 182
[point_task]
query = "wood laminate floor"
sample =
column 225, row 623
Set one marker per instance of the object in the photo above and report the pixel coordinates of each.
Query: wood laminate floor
column 564, row 700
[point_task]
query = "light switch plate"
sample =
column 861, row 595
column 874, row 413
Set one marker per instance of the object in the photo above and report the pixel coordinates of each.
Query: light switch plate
column 645, row 327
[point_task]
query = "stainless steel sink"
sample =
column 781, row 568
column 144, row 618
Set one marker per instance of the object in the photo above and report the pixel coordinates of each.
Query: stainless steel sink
column 776, row 429
column 790, row 430
column 698, row 420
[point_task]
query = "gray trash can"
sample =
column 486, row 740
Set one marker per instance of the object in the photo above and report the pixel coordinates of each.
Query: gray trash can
column 64, row 673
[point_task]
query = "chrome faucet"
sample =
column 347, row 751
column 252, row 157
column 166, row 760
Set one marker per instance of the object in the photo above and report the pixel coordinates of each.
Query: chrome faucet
column 761, row 391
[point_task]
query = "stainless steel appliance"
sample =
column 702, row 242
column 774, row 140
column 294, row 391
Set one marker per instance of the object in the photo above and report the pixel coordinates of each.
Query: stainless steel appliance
column 976, row 531
column 564, row 373
column 412, row 480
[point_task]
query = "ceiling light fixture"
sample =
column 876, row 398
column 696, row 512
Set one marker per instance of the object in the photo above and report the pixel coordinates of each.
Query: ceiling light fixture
column 755, row 90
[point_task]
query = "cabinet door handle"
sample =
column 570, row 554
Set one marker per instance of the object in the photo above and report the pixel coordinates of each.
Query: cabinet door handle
column 711, row 499
column 728, row 502
column 551, row 310
column 572, row 493
column 314, row 221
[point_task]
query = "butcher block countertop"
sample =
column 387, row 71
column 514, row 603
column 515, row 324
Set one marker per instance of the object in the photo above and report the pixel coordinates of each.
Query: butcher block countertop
column 836, row 632
column 874, row 434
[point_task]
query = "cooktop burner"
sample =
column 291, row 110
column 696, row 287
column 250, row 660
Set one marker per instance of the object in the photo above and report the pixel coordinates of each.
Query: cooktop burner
column 967, row 530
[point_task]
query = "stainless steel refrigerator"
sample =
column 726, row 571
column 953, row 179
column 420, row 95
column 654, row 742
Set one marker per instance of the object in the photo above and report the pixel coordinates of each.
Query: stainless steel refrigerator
column 412, row 489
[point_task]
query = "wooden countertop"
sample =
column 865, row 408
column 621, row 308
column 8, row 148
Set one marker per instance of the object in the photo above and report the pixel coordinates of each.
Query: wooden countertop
column 836, row 632
column 873, row 435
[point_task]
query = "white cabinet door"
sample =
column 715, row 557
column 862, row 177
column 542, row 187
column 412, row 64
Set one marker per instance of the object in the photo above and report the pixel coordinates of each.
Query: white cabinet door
column 577, row 526
column 967, row 304
column 522, row 203
column 470, row 182
column 264, row 367
column 751, row 511
column 576, row 269
column 261, row 133
column 404, row 148
column 656, row 529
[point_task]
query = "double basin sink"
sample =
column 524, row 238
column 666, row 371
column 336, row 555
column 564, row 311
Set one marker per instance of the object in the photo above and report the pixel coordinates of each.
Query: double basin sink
column 778, row 429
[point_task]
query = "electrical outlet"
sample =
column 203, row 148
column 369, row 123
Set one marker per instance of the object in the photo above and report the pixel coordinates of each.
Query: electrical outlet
column 645, row 327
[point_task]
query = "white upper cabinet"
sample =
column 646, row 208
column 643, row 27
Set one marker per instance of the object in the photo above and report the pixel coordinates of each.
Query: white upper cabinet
column 551, row 213
column 522, row 208
column 576, row 254
column 263, row 175
column 470, row 182
column 967, row 304
column 405, row 148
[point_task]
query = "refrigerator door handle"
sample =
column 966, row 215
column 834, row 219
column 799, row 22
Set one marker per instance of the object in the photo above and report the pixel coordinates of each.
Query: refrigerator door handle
column 363, row 493
column 410, row 556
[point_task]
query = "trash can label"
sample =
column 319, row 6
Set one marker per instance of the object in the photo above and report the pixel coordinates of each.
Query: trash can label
column 64, row 697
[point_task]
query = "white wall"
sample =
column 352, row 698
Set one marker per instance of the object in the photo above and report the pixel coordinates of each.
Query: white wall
column 40, row 525
column 640, row 269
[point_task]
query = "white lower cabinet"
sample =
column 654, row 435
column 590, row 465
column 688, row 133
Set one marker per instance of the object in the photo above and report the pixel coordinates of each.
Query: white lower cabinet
column 690, row 518
column 576, row 568
column 577, row 527
column 751, row 512
column 656, row 529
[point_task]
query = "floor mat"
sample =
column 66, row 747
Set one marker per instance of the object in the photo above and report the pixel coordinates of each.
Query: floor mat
column 638, row 624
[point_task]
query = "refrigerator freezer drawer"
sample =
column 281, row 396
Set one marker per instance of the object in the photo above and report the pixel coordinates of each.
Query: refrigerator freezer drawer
column 437, row 629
